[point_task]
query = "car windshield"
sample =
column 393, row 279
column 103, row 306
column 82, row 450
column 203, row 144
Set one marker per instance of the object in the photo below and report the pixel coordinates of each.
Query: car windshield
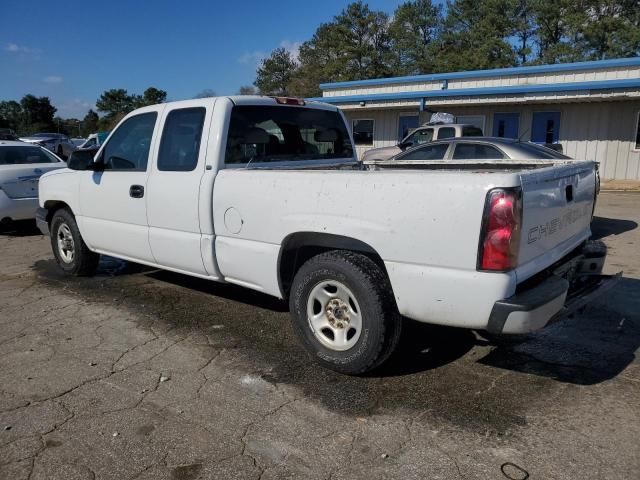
column 277, row 134
column 538, row 151
column 10, row 155
column 39, row 135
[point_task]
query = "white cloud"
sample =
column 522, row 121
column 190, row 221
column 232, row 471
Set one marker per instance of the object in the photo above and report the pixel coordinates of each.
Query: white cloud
column 15, row 48
column 292, row 47
column 252, row 58
column 52, row 79
column 255, row 58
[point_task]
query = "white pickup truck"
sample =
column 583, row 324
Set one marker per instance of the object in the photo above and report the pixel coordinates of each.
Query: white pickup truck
column 266, row 193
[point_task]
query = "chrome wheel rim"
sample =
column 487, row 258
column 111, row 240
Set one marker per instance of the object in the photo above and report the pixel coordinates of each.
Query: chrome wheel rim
column 334, row 315
column 65, row 243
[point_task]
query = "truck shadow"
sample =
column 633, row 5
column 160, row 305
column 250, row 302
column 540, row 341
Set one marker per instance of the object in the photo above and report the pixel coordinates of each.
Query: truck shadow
column 589, row 348
column 21, row 228
column 603, row 227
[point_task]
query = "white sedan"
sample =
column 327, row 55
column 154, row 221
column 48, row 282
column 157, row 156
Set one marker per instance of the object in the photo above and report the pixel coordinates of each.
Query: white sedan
column 21, row 165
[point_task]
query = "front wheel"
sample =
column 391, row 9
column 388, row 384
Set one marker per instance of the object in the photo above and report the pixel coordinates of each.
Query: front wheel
column 344, row 312
column 72, row 254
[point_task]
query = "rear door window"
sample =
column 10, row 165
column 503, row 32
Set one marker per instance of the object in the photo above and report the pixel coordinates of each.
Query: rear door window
column 180, row 142
column 279, row 134
column 476, row 151
column 446, row 132
column 428, row 152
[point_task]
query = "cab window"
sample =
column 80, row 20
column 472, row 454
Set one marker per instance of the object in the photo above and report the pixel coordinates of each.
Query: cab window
column 128, row 147
column 180, row 142
column 446, row 132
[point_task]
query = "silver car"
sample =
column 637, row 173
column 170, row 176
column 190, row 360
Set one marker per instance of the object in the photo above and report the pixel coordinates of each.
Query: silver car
column 21, row 166
column 57, row 143
column 475, row 149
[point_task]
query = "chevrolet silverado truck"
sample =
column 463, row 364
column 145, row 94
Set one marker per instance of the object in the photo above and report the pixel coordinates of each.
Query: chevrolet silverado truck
column 266, row 193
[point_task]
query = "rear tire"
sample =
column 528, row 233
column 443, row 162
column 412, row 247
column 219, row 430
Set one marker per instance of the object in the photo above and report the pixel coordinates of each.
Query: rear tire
column 72, row 254
column 344, row 312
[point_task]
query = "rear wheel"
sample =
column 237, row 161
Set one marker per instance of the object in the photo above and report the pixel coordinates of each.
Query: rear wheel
column 72, row 254
column 344, row 312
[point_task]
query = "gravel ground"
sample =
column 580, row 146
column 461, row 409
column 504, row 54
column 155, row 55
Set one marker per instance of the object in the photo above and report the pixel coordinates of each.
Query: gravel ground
column 137, row 373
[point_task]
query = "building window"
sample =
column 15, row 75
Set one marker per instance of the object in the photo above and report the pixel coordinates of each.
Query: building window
column 363, row 132
column 637, row 147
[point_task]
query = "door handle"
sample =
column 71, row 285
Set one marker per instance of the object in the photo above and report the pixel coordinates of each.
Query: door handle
column 136, row 191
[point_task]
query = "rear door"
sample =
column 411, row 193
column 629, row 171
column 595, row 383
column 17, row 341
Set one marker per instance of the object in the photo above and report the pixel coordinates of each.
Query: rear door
column 557, row 210
column 173, row 197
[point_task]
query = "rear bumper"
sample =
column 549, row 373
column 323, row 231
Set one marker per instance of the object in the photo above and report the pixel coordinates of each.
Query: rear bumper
column 41, row 220
column 572, row 285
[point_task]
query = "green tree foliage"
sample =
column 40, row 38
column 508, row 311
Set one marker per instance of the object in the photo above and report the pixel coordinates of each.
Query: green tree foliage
column 247, row 90
column 90, row 123
column 414, row 33
column 37, row 114
column 115, row 101
column 274, row 73
column 151, row 96
column 11, row 115
column 476, row 35
column 206, row 93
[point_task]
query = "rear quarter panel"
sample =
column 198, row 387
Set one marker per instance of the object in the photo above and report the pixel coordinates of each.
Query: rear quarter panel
column 422, row 224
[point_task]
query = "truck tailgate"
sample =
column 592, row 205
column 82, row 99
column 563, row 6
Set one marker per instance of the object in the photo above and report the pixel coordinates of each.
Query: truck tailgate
column 557, row 207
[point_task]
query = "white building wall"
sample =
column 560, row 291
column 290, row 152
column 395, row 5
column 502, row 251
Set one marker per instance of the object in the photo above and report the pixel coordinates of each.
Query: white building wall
column 601, row 131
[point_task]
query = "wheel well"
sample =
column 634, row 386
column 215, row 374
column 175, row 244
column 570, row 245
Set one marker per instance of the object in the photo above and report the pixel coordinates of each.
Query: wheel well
column 53, row 206
column 299, row 247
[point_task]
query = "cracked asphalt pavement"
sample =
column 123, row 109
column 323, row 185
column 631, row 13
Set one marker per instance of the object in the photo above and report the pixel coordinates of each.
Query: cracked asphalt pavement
column 143, row 374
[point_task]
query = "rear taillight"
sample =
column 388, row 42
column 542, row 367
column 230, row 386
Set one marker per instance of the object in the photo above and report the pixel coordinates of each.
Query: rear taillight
column 500, row 233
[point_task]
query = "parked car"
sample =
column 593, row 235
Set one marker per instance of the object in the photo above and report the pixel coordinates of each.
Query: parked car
column 278, row 203
column 21, row 165
column 94, row 140
column 8, row 134
column 475, row 149
column 424, row 134
column 57, row 143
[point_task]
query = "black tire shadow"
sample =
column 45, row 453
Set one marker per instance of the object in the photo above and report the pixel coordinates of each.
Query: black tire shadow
column 425, row 347
column 590, row 348
column 603, row 227
column 20, row 228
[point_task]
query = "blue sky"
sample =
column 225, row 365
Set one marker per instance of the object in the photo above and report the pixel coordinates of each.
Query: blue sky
column 72, row 51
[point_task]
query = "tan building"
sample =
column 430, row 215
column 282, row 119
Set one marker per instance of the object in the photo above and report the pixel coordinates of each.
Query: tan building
column 591, row 108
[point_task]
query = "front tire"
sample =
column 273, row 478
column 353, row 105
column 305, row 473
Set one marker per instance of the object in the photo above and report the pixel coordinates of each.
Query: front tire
column 71, row 253
column 344, row 312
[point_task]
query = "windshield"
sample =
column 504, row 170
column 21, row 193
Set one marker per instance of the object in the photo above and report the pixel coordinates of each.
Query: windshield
column 277, row 134
column 44, row 135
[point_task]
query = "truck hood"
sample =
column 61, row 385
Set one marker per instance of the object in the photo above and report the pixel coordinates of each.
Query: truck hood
column 383, row 153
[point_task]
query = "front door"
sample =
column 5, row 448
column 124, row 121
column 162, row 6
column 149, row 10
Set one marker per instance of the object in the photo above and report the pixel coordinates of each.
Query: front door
column 546, row 127
column 113, row 212
column 506, row 125
column 406, row 124
column 174, row 195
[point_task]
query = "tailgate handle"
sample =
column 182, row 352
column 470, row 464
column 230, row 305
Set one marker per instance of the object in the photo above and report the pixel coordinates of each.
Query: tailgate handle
column 568, row 191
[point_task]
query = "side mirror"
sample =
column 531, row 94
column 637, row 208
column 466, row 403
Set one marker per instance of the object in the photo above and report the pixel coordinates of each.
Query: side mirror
column 404, row 145
column 83, row 160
